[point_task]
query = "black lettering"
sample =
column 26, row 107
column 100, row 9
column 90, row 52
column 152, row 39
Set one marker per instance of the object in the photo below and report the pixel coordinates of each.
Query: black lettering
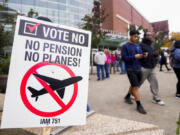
column 69, row 61
column 32, row 45
column 35, row 56
column 57, row 59
column 45, row 121
column 73, row 51
column 46, row 45
column 78, row 52
column 45, row 57
column 74, row 62
column 58, row 49
column 52, row 48
column 64, row 51
column 64, row 60
column 28, row 56
column 31, row 56
column 29, row 44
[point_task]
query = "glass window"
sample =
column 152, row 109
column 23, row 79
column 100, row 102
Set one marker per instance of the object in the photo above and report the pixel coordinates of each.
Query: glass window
column 26, row 9
column 28, row 2
column 41, row 11
column 73, row 9
column 41, row 3
column 14, row 1
column 73, row 3
column 62, row 1
column 16, row 7
column 52, row 5
column 61, row 7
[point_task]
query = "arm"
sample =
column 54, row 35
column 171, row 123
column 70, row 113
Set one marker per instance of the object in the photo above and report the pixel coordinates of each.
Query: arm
column 125, row 55
column 177, row 55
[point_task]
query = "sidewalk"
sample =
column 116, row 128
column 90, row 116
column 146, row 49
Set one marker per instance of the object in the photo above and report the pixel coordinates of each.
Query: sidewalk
column 107, row 97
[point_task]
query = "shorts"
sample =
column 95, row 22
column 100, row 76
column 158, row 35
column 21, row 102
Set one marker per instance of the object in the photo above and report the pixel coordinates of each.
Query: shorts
column 134, row 77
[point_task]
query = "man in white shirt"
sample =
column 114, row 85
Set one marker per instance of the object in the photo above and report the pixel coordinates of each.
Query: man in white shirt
column 100, row 59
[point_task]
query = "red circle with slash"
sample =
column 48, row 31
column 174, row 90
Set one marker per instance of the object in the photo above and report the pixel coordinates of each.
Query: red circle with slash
column 51, row 92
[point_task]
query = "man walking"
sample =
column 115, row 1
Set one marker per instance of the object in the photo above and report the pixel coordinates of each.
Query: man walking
column 148, row 66
column 131, row 54
column 100, row 59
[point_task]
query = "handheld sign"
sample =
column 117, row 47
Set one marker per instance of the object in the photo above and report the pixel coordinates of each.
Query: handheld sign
column 48, row 76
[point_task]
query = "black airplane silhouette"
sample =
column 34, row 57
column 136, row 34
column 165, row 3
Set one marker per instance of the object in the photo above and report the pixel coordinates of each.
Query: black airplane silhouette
column 54, row 84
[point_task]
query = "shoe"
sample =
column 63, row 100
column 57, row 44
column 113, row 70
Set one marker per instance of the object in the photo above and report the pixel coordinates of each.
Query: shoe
column 169, row 69
column 160, row 70
column 98, row 79
column 128, row 100
column 178, row 96
column 141, row 110
column 158, row 101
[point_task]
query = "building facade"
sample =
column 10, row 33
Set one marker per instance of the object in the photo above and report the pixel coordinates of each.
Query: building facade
column 66, row 12
column 121, row 14
column 161, row 26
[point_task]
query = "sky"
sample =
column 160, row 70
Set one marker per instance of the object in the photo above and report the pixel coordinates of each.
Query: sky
column 159, row 10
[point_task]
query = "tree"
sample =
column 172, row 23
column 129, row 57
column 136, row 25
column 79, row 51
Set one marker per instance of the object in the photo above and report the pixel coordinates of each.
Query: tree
column 93, row 23
column 32, row 13
column 159, row 39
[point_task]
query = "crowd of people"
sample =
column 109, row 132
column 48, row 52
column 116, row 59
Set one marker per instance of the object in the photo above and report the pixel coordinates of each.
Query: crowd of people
column 138, row 61
column 108, row 62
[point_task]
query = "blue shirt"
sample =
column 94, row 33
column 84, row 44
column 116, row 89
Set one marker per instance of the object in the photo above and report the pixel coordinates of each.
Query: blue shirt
column 128, row 53
column 176, row 58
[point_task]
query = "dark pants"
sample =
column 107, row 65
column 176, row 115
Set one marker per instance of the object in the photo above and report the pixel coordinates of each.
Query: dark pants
column 177, row 72
column 107, row 70
column 161, row 64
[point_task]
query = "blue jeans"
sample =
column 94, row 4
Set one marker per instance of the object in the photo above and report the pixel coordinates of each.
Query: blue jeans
column 107, row 70
column 117, row 65
column 123, row 67
column 100, row 67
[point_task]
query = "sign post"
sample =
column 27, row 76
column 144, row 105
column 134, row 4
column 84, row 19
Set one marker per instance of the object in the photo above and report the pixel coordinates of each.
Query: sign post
column 48, row 77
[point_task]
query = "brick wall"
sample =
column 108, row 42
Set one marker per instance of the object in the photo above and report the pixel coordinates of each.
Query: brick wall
column 126, row 11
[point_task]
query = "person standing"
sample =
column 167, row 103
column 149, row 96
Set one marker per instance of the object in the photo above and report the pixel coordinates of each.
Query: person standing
column 131, row 54
column 117, row 55
column 107, row 62
column 122, row 64
column 176, row 65
column 113, row 60
column 100, row 59
column 148, row 66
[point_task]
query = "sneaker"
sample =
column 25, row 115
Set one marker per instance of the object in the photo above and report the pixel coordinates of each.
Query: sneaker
column 158, row 101
column 128, row 100
column 141, row 110
column 177, row 96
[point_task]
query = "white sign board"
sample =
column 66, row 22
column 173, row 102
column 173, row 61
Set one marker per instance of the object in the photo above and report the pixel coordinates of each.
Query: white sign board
column 48, row 76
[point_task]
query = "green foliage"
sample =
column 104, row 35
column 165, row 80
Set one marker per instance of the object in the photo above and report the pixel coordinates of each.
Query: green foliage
column 93, row 23
column 4, row 65
column 32, row 13
column 159, row 39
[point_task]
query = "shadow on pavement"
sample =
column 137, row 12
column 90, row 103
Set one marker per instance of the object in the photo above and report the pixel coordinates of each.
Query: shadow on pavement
column 15, row 132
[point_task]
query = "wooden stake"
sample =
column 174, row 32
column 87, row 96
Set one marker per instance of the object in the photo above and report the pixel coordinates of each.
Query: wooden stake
column 46, row 131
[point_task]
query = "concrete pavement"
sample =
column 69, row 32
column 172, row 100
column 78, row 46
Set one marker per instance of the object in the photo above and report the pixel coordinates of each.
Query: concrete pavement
column 107, row 97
